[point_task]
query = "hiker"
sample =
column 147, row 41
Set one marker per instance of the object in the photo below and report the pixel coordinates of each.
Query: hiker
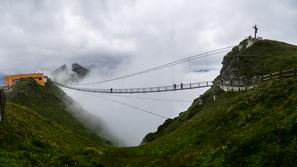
column 181, row 85
column 174, row 86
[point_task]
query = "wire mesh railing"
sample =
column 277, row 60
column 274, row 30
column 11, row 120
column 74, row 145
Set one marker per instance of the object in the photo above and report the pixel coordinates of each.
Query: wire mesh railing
column 174, row 87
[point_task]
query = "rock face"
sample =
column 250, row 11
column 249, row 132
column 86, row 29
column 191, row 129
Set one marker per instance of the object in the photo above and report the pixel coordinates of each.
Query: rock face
column 70, row 73
column 232, row 61
column 80, row 70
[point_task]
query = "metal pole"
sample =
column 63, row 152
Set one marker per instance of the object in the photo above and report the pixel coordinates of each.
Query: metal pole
column 2, row 104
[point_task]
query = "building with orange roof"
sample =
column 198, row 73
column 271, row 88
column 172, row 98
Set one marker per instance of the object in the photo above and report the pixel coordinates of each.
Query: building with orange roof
column 10, row 80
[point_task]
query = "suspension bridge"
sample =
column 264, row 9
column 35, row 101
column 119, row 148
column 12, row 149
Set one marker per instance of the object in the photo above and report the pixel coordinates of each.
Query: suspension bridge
column 155, row 89
column 174, row 86
column 231, row 85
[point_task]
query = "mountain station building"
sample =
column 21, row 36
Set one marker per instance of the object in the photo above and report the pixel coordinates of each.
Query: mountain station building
column 10, row 80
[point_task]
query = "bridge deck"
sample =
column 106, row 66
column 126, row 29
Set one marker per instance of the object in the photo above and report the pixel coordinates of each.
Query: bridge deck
column 172, row 87
column 226, row 86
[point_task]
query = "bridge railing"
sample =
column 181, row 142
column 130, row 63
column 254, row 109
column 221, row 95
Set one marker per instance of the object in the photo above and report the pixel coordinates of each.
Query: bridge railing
column 172, row 87
column 233, row 85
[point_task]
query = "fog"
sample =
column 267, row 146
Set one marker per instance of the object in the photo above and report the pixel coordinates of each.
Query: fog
column 129, row 125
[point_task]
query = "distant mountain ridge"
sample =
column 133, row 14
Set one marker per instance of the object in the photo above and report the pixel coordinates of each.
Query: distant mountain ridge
column 70, row 73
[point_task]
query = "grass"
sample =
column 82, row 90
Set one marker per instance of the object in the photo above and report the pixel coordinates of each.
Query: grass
column 261, row 58
column 40, row 131
column 253, row 128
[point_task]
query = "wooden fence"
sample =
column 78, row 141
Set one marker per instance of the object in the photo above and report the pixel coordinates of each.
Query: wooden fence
column 247, row 84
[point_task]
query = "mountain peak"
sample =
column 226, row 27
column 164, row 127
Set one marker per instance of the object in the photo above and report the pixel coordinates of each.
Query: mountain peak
column 262, row 57
column 80, row 70
column 70, row 73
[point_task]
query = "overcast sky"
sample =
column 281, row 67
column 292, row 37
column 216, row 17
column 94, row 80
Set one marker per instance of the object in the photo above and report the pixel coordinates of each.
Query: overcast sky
column 131, row 35
column 43, row 34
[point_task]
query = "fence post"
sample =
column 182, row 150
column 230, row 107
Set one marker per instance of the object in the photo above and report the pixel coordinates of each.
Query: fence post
column 246, row 83
column 295, row 72
column 2, row 104
column 280, row 75
column 270, row 76
column 231, row 83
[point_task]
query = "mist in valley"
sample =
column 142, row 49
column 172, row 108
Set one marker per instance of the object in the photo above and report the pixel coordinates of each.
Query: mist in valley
column 128, row 125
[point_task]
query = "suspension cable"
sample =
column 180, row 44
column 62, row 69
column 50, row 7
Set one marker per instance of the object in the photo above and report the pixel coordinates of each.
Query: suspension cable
column 198, row 56
column 150, row 98
column 129, row 105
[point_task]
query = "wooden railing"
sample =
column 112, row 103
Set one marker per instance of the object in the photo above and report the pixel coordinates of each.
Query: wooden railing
column 247, row 84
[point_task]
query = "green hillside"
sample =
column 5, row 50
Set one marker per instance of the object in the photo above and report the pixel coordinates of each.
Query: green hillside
column 263, row 57
column 252, row 128
column 214, row 126
column 39, row 130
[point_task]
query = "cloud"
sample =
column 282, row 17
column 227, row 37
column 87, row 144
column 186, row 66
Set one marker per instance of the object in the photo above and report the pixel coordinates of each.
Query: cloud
column 55, row 31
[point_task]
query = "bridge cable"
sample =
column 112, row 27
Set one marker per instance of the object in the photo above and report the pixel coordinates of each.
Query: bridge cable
column 150, row 98
column 198, row 56
column 129, row 105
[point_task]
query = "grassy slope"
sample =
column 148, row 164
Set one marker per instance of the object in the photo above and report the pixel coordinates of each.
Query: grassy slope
column 262, row 58
column 40, row 131
column 254, row 128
